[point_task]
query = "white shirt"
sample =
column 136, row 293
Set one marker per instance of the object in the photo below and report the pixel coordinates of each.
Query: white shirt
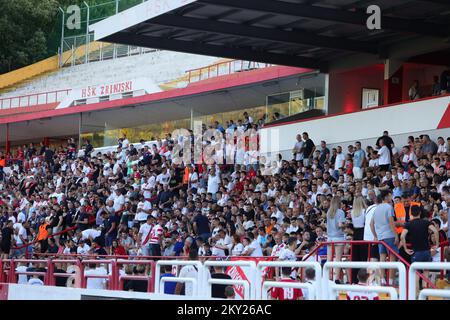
column 291, row 229
column 410, row 157
column 163, row 178
column 442, row 148
column 258, row 251
column 323, row 189
column 190, row 271
column 358, row 221
column 385, row 156
column 118, row 203
column 287, row 254
column 141, row 214
column 193, row 177
column 368, row 235
column 96, row 283
column 22, row 278
column 223, row 242
column 237, row 249
column 35, row 282
column 404, row 176
column 213, row 184
column 83, row 250
column 151, row 182
column 276, row 250
column 23, row 233
column 340, row 161
column 59, row 196
column 279, row 215
column 373, row 163
column 93, row 233
column 144, row 230
column 299, row 154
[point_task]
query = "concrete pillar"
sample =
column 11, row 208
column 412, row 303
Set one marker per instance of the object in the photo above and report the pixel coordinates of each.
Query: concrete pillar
column 8, row 143
column 393, row 81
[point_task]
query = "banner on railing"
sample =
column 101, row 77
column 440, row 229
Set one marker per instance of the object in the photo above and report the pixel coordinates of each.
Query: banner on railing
column 106, row 90
column 242, row 273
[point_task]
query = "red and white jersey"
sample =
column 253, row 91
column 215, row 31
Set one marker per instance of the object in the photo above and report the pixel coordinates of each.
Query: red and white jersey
column 145, row 233
column 287, row 293
column 155, row 233
column 277, row 249
column 287, row 254
column 362, row 295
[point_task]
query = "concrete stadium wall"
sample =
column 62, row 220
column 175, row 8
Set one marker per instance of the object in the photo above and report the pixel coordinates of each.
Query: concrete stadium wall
column 160, row 66
column 31, row 292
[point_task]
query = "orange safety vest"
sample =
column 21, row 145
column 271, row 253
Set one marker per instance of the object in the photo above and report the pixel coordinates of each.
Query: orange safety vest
column 186, row 176
column 43, row 232
column 400, row 214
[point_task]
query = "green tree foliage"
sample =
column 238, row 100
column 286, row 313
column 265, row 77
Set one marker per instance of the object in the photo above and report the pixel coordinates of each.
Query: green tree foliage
column 30, row 30
column 24, row 26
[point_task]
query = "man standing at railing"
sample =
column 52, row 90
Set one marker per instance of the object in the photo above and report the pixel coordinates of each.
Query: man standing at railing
column 418, row 229
column 383, row 227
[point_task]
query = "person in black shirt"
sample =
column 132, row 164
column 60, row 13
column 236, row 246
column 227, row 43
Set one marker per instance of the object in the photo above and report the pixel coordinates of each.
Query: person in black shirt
column 48, row 155
column 164, row 197
column 308, row 150
column 60, row 281
column 133, row 151
column 138, row 285
column 88, row 149
column 201, row 226
column 418, row 229
column 110, row 225
column 52, row 247
column 97, row 248
column 218, row 290
column 83, row 219
column 5, row 245
column 30, row 151
column 176, row 180
column 41, row 148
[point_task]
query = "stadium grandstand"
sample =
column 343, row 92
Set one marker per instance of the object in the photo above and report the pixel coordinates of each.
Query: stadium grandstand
column 223, row 149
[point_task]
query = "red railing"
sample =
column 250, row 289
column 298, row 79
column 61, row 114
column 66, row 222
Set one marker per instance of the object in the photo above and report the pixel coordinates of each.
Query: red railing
column 26, row 245
column 34, row 99
column 223, row 68
column 8, row 272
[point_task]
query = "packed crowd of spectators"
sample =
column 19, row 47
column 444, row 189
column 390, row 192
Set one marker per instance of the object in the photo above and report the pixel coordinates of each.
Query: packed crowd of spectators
column 138, row 202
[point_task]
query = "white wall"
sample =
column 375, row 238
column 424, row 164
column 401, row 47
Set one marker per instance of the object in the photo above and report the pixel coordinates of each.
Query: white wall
column 401, row 121
column 160, row 66
column 30, row 292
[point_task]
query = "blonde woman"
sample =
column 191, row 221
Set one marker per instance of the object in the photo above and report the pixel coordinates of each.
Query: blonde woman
column 358, row 215
column 335, row 231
